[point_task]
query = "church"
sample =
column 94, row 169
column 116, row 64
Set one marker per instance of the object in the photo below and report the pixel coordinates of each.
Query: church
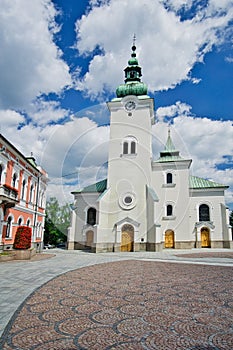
column 146, row 204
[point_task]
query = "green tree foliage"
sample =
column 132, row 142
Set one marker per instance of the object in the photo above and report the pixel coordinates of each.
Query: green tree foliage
column 57, row 221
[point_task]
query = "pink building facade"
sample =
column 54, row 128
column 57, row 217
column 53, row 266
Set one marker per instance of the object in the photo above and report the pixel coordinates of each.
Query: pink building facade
column 22, row 196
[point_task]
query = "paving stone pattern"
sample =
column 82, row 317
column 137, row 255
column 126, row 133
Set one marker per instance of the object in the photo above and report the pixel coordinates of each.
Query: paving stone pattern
column 129, row 305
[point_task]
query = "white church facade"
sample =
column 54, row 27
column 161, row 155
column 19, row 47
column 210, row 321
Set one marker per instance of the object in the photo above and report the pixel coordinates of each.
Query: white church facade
column 146, row 204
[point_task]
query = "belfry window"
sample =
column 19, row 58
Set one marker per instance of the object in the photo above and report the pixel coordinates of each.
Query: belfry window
column 204, row 212
column 125, row 147
column 129, row 146
column 133, row 147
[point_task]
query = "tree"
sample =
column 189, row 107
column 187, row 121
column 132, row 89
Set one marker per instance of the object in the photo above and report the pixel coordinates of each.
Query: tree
column 57, row 221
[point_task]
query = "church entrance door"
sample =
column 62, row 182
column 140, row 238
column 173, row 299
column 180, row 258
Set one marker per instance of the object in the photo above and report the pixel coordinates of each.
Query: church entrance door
column 127, row 238
column 169, row 239
column 205, row 237
column 89, row 238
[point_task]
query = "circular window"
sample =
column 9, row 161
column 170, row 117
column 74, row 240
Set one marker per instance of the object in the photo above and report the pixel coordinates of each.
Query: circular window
column 127, row 201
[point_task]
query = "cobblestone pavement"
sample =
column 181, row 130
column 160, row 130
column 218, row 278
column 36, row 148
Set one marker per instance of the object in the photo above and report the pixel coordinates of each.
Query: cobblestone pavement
column 127, row 304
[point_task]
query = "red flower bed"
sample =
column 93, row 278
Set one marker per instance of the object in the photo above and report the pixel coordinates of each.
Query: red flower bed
column 23, row 238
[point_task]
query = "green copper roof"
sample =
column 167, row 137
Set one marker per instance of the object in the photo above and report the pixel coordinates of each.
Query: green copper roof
column 133, row 84
column 98, row 187
column 199, row 183
column 133, row 88
column 168, row 158
column 170, row 154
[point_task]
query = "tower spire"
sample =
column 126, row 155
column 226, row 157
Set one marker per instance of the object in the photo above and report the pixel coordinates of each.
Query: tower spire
column 133, row 84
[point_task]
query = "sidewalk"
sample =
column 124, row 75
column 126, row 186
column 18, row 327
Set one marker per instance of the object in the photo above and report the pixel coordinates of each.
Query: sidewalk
column 20, row 278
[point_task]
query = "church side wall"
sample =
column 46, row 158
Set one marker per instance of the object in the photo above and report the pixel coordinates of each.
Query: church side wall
column 176, row 195
column 83, row 202
column 215, row 201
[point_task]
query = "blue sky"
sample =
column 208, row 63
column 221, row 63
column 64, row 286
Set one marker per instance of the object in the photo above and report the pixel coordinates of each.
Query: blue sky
column 61, row 60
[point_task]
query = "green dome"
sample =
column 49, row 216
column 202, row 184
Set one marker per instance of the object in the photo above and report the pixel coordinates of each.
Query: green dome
column 133, row 61
column 137, row 89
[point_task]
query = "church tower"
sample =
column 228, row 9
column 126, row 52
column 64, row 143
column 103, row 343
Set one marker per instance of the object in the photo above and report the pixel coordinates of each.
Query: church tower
column 123, row 212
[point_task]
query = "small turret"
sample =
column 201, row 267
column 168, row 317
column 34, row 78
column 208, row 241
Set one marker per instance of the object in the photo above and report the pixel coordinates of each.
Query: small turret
column 133, row 84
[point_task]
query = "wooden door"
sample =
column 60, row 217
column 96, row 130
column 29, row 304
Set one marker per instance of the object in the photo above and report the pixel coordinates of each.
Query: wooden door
column 89, row 238
column 169, row 239
column 205, row 237
column 127, row 238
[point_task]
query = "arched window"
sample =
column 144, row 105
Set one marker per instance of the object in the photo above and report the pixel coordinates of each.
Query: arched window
column 9, row 226
column 204, row 212
column 133, row 147
column 20, row 221
column 1, row 170
column 129, row 145
column 31, row 194
column 169, row 210
column 28, row 222
column 91, row 216
column 125, row 147
column 23, row 189
column 169, row 178
column 14, row 180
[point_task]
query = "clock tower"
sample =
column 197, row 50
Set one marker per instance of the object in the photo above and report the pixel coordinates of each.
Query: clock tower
column 122, row 207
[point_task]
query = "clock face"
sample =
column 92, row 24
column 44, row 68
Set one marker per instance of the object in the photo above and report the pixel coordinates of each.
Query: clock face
column 130, row 105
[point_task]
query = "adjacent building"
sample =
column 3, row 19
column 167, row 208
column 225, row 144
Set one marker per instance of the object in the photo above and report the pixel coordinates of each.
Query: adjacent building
column 146, row 203
column 22, row 195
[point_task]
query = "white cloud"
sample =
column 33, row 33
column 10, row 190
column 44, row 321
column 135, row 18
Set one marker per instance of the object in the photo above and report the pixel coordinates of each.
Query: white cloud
column 77, row 143
column 167, row 47
column 179, row 108
column 9, row 119
column 44, row 112
column 30, row 62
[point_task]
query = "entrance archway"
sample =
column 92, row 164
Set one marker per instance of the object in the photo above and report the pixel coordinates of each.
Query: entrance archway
column 205, row 237
column 89, row 238
column 127, row 238
column 169, row 239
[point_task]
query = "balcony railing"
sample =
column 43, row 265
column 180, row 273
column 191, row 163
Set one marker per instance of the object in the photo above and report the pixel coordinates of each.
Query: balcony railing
column 8, row 194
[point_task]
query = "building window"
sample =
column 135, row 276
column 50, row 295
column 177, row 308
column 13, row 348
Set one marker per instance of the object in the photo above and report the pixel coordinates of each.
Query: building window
column 169, row 210
column 91, row 216
column 20, row 221
column 204, row 212
column 28, row 222
column 125, row 148
column 1, row 170
column 23, row 189
column 169, row 178
column 9, row 226
column 133, row 147
column 130, row 146
column 31, row 194
column 14, row 180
